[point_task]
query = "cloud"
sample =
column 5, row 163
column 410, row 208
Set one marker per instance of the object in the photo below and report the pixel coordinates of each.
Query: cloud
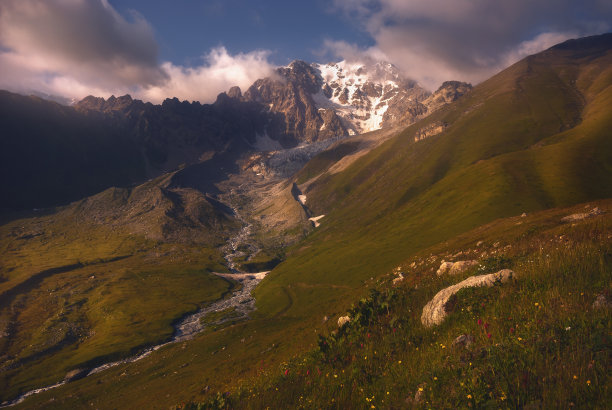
column 469, row 40
column 219, row 72
column 73, row 48
column 85, row 38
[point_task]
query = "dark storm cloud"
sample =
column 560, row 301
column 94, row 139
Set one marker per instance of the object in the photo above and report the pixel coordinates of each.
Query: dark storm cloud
column 86, row 37
column 436, row 40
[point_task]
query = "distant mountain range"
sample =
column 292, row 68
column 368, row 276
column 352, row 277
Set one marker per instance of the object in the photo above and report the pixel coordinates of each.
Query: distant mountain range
column 53, row 154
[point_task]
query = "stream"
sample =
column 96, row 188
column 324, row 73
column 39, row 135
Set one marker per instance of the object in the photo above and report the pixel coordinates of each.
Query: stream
column 187, row 327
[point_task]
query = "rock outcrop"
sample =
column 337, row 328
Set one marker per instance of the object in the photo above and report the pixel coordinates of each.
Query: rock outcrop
column 455, row 268
column 580, row 216
column 435, row 310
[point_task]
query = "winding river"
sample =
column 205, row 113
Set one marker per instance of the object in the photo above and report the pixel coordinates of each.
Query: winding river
column 241, row 302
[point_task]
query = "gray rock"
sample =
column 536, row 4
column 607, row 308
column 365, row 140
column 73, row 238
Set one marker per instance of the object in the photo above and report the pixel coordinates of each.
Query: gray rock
column 463, row 341
column 434, row 311
column 580, row 216
column 601, row 302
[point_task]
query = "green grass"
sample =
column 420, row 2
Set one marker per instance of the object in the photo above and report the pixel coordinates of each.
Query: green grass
column 77, row 292
column 537, row 341
column 553, row 150
column 532, row 138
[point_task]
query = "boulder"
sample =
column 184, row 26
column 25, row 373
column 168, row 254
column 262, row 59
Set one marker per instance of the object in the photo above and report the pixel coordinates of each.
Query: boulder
column 434, row 312
column 455, row 268
column 342, row 320
column 601, row 302
column 463, row 340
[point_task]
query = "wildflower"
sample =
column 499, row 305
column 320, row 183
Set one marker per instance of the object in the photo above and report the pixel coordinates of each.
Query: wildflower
column 575, row 377
column 511, row 330
column 489, row 335
column 486, row 325
column 387, row 393
column 520, row 338
column 365, row 358
column 479, row 322
column 399, row 362
column 335, row 376
column 286, row 372
column 435, row 378
column 567, row 329
column 588, row 382
column 469, row 396
column 420, row 389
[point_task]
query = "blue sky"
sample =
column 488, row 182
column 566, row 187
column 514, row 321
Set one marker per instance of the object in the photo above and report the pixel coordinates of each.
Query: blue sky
column 188, row 29
column 195, row 49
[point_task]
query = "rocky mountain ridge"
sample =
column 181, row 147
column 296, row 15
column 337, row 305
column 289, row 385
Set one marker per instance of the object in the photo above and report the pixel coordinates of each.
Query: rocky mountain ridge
column 311, row 102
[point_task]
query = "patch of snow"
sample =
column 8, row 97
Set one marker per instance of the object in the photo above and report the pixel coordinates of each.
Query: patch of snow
column 315, row 220
column 302, row 199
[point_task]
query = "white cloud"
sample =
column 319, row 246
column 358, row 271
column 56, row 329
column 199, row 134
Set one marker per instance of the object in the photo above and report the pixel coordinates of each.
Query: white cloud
column 74, row 48
column 219, row 72
column 437, row 40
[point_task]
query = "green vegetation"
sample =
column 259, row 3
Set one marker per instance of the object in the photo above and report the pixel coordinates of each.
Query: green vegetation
column 89, row 283
column 537, row 341
column 535, row 139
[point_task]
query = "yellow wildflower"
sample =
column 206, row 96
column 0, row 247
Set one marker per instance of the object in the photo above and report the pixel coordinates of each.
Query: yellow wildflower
column 575, row 377
column 588, row 382
column 399, row 362
column 469, row 396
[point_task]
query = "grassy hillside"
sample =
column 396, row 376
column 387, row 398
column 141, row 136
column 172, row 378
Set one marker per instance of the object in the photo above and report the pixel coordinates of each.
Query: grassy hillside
column 102, row 278
column 540, row 341
column 533, row 137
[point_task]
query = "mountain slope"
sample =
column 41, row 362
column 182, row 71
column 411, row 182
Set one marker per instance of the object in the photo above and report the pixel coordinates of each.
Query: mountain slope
column 535, row 136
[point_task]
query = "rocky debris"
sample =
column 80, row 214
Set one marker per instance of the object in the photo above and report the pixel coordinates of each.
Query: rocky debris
column 602, row 302
column 398, row 279
column 580, row 216
column 435, row 310
column 455, row 268
column 75, row 374
column 523, row 215
column 464, row 340
column 342, row 320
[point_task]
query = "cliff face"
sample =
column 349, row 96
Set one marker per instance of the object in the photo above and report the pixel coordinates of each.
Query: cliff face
column 310, row 102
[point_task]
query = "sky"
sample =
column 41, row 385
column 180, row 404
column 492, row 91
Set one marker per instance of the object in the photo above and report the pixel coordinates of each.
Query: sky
column 195, row 49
